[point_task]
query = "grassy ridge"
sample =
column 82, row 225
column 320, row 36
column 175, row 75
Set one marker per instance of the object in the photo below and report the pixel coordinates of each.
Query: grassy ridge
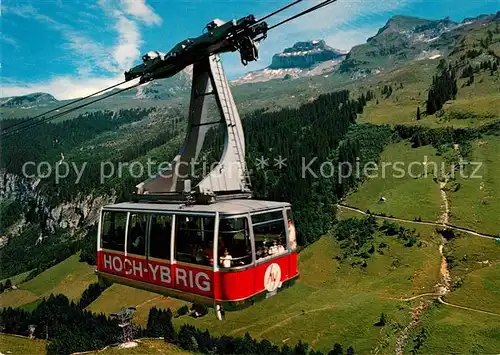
column 70, row 278
column 118, row 296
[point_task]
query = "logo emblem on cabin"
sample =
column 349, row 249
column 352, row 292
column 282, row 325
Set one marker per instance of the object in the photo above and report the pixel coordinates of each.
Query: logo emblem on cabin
column 272, row 277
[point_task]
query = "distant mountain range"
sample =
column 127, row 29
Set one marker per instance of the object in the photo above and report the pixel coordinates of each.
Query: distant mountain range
column 308, row 58
column 36, row 99
column 400, row 40
column 406, row 38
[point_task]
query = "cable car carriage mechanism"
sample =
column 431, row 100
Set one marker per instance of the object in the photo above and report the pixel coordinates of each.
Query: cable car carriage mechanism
column 212, row 244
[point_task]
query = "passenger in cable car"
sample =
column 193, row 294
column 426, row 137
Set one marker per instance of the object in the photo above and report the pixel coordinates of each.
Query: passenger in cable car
column 226, row 260
column 291, row 234
column 260, row 253
column 274, row 248
column 281, row 248
column 138, row 237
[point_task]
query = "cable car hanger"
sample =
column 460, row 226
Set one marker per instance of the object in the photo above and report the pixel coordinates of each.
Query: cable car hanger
column 239, row 36
column 230, row 177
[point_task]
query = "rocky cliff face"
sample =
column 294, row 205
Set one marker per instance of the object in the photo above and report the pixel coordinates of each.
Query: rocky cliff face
column 70, row 216
column 305, row 55
column 302, row 60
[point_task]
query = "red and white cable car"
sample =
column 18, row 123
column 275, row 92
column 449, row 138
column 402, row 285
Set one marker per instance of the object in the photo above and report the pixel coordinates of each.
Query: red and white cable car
column 211, row 244
column 228, row 253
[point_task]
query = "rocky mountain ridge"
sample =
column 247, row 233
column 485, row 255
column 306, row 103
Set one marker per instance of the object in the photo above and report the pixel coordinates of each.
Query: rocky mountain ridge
column 405, row 38
column 36, row 99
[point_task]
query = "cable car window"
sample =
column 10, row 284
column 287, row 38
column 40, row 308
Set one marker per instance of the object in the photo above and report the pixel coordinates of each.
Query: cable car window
column 292, row 236
column 266, row 217
column 113, row 230
column 160, row 236
column 234, row 242
column 194, row 239
column 269, row 234
column 137, row 230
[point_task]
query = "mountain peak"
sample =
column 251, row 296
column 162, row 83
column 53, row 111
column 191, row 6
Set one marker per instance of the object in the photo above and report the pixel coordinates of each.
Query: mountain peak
column 305, row 54
column 29, row 100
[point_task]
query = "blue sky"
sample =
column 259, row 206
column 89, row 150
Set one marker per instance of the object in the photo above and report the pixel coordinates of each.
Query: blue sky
column 71, row 48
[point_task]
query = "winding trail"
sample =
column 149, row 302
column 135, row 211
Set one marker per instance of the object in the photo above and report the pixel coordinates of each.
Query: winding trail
column 467, row 308
column 146, row 302
column 437, row 224
column 279, row 324
column 445, row 205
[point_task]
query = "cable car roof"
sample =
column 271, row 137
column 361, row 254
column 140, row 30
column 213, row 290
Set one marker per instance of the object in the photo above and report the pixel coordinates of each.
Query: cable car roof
column 228, row 207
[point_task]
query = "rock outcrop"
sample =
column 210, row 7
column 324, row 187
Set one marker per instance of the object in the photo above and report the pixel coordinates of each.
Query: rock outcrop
column 305, row 55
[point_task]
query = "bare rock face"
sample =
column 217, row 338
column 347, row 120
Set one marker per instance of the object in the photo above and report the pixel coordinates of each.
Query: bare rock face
column 305, row 55
column 81, row 211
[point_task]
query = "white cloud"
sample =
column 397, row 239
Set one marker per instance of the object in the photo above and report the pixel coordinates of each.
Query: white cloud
column 127, row 49
column 88, row 54
column 63, row 87
column 346, row 39
column 140, row 10
column 9, row 40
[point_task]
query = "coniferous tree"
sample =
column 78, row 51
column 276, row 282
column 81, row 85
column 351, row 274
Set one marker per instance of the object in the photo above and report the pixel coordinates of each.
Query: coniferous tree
column 169, row 333
column 337, row 350
column 301, row 348
column 443, row 88
column 418, row 114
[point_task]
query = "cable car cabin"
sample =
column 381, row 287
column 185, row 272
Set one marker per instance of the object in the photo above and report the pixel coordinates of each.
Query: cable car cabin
column 226, row 254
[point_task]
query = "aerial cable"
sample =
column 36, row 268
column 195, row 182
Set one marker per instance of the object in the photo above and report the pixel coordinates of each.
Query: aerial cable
column 277, row 11
column 12, row 131
column 311, row 9
column 50, row 118
column 60, row 107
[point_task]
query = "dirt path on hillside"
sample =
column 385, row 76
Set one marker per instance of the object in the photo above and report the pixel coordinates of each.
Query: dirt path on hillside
column 442, row 287
column 280, row 323
column 437, row 224
column 444, row 203
column 468, row 308
column 146, row 302
column 416, row 314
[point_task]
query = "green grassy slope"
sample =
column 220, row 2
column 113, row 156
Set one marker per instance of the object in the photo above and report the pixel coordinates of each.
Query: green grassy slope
column 69, row 278
column 118, row 296
column 153, row 347
column 339, row 303
column 14, row 345
column 475, row 205
column 456, row 331
column 474, row 265
column 406, row 197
